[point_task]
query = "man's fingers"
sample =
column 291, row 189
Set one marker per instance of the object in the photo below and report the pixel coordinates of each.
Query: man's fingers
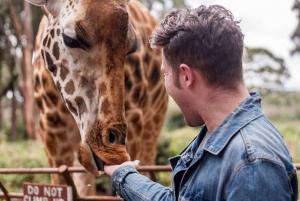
column 109, row 170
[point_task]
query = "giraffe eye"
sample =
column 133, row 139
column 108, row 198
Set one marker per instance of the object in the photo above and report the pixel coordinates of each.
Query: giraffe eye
column 70, row 42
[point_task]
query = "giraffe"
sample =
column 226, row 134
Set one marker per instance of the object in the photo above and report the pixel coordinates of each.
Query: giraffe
column 98, row 84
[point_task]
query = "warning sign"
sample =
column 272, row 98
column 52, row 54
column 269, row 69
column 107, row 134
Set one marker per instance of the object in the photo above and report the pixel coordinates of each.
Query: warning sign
column 41, row 192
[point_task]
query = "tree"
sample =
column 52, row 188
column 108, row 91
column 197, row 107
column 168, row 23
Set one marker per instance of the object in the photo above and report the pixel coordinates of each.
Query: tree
column 161, row 7
column 263, row 71
column 17, row 32
column 296, row 35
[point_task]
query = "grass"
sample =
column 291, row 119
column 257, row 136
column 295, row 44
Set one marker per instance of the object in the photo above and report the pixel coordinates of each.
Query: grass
column 22, row 154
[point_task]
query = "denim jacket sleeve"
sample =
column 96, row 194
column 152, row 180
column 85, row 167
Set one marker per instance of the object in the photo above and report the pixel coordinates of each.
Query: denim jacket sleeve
column 130, row 185
column 259, row 180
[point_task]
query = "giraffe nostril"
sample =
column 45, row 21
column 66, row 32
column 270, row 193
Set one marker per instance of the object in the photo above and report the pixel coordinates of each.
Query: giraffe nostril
column 112, row 138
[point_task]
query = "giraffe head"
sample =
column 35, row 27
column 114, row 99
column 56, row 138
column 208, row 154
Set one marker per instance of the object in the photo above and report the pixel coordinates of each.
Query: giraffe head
column 84, row 50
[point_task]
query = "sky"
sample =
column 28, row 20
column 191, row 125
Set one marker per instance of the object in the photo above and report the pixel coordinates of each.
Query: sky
column 266, row 24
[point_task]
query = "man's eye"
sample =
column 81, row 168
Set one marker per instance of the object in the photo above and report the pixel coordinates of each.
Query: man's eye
column 70, row 42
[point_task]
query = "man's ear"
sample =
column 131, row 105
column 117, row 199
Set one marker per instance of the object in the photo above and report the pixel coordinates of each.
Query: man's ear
column 187, row 74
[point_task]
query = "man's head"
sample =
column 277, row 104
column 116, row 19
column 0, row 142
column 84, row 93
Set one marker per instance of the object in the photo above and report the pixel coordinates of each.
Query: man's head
column 208, row 40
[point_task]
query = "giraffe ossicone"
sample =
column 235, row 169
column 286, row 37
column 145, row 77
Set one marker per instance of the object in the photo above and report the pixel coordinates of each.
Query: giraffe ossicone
column 108, row 77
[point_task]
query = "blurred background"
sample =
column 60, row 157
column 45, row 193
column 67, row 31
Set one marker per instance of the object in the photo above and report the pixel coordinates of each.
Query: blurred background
column 271, row 63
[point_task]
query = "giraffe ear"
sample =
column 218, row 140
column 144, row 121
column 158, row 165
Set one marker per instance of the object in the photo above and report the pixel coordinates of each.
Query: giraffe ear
column 131, row 39
column 52, row 6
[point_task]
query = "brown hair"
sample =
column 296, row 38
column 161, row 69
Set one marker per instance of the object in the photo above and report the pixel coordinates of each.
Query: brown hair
column 207, row 39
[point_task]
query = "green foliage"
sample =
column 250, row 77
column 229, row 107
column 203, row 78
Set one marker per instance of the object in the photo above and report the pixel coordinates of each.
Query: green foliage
column 22, row 154
column 263, row 71
column 282, row 106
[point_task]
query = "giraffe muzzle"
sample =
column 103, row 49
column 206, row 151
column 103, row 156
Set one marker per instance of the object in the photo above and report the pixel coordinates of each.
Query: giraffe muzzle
column 99, row 162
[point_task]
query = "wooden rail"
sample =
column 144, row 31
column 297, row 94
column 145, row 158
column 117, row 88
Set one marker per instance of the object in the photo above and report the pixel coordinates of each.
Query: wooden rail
column 65, row 172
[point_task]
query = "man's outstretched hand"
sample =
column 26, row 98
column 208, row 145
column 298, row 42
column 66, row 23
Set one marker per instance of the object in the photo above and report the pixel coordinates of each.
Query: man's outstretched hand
column 109, row 169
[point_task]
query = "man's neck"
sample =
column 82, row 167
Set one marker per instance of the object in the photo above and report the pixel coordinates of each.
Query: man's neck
column 219, row 105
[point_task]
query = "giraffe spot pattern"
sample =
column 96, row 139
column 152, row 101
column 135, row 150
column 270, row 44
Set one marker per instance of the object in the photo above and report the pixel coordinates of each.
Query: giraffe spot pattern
column 51, row 67
column 39, row 102
column 71, row 108
column 53, row 119
column 45, row 98
column 52, row 33
column 52, row 96
column 81, row 105
column 37, row 84
column 56, row 50
column 70, row 88
column 63, row 72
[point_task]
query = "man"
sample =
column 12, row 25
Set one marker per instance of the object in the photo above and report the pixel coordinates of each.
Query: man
column 238, row 154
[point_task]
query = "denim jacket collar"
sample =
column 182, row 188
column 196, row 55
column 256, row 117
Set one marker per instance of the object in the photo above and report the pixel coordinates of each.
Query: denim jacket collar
column 234, row 122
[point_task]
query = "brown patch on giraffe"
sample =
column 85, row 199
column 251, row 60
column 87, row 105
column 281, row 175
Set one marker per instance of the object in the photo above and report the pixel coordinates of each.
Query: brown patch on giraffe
column 48, row 43
column 58, row 86
column 52, row 96
column 54, row 119
column 62, row 136
column 81, row 105
column 37, row 84
column 56, row 50
column 105, row 106
column 64, row 71
column 45, row 41
column 51, row 67
column 136, row 94
column 157, row 119
column 45, row 98
column 70, row 88
column 155, row 75
column 57, row 32
column 71, row 108
column 52, row 33
column 135, row 63
column 39, row 102
column 64, row 109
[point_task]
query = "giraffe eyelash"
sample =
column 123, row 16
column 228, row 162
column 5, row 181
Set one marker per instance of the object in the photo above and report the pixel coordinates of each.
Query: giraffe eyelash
column 70, row 42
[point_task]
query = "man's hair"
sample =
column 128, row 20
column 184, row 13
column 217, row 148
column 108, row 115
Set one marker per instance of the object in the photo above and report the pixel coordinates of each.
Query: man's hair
column 207, row 39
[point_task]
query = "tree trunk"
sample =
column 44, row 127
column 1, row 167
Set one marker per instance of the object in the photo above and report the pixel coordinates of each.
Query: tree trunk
column 27, row 49
column 27, row 69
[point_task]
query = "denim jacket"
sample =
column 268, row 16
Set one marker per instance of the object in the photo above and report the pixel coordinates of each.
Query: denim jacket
column 244, row 159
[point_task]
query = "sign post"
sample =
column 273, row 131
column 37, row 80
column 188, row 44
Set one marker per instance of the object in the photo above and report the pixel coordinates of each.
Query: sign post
column 41, row 192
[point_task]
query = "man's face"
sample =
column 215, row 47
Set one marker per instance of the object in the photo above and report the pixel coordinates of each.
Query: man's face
column 180, row 95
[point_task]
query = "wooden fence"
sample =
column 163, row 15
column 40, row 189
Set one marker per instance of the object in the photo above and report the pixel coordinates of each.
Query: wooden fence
column 65, row 172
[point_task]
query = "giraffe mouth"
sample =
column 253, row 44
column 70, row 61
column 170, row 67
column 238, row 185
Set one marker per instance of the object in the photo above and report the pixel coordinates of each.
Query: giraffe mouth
column 99, row 162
